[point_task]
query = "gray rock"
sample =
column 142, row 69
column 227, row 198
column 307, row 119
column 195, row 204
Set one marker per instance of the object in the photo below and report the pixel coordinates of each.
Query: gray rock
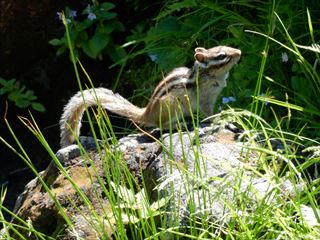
column 201, row 171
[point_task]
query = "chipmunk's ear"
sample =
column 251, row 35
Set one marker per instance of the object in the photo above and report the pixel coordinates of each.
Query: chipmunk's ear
column 200, row 49
column 200, row 54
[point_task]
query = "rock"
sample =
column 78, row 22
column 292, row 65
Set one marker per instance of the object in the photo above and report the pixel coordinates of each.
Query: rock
column 206, row 175
column 199, row 170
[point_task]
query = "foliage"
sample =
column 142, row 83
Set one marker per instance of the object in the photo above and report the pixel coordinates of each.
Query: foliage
column 92, row 32
column 289, row 71
column 277, row 79
column 20, row 95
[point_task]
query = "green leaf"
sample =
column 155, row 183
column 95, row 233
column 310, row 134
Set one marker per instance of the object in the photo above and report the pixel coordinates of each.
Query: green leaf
column 106, row 6
column 8, row 85
column 107, row 29
column 99, row 41
column 116, row 53
column 170, row 24
column 83, row 25
column 169, row 57
column 30, row 96
column 87, row 50
column 296, row 83
column 38, row 107
column 237, row 32
column 107, row 15
column 12, row 82
column 176, row 6
column 22, row 103
column 13, row 96
column 2, row 91
column 96, row 44
column 169, row 52
column 2, row 81
column 83, row 37
column 61, row 50
column 118, row 26
column 55, row 42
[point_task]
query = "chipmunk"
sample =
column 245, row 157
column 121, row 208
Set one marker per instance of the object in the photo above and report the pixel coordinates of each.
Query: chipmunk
column 211, row 69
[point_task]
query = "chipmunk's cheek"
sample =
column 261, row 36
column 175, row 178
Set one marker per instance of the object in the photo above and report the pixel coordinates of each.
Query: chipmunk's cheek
column 218, row 73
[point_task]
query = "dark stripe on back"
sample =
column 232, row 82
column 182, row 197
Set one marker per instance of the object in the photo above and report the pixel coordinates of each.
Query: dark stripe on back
column 167, row 82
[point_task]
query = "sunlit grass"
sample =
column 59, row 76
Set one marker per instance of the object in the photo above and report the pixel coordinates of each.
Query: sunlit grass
column 265, row 217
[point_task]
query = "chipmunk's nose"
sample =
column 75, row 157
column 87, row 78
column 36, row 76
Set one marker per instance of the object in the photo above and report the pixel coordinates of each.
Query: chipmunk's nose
column 238, row 52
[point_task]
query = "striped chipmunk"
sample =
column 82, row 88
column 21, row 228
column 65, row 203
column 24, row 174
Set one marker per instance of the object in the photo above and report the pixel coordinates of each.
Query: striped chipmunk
column 211, row 70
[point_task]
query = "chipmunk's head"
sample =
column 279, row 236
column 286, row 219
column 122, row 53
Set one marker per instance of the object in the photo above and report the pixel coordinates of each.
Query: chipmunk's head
column 218, row 60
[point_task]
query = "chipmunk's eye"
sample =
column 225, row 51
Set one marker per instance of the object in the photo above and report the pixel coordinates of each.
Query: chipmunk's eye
column 220, row 56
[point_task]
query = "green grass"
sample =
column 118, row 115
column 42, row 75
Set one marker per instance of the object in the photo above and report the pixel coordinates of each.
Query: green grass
column 276, row 102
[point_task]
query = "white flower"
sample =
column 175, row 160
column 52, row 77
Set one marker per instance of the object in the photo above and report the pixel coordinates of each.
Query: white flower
column 91, row 16
column 153, row 57
column 60, row 17
column 226, row 100
column 73, row 14
column 232, row 99
column 265, row 99
column 284, row 57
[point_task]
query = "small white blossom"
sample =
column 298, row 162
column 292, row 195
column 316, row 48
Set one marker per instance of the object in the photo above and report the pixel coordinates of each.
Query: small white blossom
column 226, row 100
column 91, row 16
column 88, row 8
column 265, row 101
column 232, row 99
column 153, row 57
column 73, row 14
column 284, row 57
column 60, row 17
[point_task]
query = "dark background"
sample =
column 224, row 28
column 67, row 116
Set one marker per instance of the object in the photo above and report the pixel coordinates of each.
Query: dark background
column 25, row 29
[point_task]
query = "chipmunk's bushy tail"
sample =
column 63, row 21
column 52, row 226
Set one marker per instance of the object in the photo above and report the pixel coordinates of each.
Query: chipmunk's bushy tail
column 70, row 121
